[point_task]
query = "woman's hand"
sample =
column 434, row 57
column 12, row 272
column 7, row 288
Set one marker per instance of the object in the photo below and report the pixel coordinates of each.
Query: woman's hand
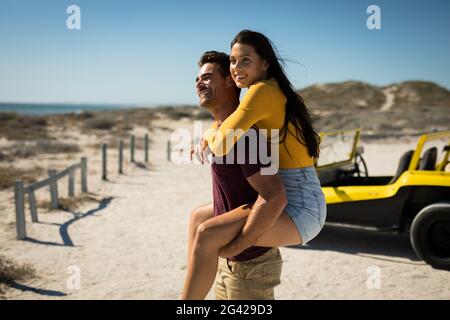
column 202, row 151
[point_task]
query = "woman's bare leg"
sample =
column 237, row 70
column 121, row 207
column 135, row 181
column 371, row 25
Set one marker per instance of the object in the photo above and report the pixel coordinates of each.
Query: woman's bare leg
column 219, row 231
column 198, row 215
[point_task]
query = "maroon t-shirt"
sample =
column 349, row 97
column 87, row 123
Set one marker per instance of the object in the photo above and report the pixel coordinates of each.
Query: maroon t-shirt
column 231, row 188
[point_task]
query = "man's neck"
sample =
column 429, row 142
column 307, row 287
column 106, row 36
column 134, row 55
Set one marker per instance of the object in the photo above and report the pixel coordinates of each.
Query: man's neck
column 221, row 111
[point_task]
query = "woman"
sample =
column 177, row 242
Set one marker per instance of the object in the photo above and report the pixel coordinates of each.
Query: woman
column 270, row 103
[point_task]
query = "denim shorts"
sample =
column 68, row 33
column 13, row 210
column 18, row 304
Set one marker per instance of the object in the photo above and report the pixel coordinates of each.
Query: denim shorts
column 306, row 202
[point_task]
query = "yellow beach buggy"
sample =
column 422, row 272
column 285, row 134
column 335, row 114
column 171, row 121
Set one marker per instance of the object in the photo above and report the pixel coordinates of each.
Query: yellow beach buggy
column 416, row 199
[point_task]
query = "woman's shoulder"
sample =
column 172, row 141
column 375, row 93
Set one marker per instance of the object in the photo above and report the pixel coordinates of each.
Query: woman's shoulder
column 266, row 87
column 264, row 84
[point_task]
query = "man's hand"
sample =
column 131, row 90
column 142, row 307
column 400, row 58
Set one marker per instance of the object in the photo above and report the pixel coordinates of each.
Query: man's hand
column 232, row 249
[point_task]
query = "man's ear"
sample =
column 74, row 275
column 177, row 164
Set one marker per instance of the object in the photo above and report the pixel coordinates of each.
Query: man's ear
column 265, row 65
column 229, row 82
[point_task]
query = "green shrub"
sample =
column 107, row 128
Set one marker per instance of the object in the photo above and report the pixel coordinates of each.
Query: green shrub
column 99, row 124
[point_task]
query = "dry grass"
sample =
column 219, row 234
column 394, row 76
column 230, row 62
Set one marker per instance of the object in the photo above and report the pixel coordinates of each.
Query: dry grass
column 113, row 142
column 11, row 270
column 203, row 115
column 9, row 174
column 84, row 115
column 188, row 111
column 42, row 146
column 70, row 203
column 116, row 123
column 99, row 124
column 19, row 127
column 3, row 156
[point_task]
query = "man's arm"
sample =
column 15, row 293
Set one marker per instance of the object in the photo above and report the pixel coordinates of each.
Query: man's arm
column 269, row 206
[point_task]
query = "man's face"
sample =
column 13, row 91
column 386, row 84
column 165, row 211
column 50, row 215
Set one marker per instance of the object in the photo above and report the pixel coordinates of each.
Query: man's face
column 210, row 85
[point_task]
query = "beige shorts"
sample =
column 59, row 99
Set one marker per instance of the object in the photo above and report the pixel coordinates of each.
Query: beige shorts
column 249, row 280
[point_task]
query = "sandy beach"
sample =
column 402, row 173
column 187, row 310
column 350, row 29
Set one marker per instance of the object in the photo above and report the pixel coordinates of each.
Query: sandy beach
column 127, row 239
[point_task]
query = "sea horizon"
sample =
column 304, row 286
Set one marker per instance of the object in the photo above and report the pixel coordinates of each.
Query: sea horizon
column 60, row 108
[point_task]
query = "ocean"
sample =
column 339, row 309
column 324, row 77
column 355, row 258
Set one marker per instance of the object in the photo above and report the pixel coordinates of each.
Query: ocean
column 45, row 109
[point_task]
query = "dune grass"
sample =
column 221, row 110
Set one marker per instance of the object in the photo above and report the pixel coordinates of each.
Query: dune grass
column 11, row 271
column 69, row 203
column 18, row 127
column 9, row 174
column 39, row 147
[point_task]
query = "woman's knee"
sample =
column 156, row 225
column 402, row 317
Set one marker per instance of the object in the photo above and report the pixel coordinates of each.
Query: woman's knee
column 199, row 215
column 202, row 232
column 194, row 217
column 204, row 236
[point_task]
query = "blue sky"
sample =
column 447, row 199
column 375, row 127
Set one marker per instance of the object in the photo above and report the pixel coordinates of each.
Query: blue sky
column 145, row 52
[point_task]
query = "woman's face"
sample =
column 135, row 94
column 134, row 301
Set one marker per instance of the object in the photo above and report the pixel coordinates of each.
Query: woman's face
column 246, row 66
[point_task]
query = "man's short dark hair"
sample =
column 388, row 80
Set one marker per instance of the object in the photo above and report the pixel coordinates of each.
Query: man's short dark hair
column 219, row 58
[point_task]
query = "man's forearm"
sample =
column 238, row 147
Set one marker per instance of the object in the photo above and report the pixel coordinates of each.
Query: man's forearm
column 259, row 221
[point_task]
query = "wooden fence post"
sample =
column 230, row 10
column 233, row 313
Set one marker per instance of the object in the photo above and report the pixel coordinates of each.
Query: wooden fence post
column 53, row 188
column 33, row 209
column 121, row 157
column 132, row 148
column 20, row 210
column 146, row 147
column 168, row 150
column 84, row 187
column 71, row 183
column 104, row 176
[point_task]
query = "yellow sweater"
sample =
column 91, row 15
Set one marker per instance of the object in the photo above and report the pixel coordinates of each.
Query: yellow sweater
column 263, row 107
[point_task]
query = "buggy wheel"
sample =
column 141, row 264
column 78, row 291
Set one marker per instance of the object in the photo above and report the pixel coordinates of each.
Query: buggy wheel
column 430, row 235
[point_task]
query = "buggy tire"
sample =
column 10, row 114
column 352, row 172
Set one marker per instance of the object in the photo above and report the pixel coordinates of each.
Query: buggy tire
column 430, row 235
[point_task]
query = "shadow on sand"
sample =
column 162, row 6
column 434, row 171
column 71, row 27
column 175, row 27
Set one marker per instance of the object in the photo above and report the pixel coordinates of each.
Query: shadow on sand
column 44, row 292
column 64, row 228
column 360, row 242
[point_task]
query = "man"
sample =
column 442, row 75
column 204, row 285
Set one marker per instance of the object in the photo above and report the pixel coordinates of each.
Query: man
column 255, row 272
